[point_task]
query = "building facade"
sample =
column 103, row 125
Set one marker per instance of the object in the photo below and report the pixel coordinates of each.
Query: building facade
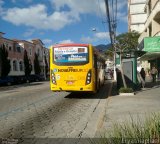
column 136, row 15
column 152, row 24
column 16, row 50
column 149, row 40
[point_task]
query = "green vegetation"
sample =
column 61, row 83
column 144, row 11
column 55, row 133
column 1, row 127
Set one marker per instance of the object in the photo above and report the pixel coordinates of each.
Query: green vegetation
column 27, row 64
column 37, row 68
column 125, row 90
column 125, row 43
column 46, row 66
column 137, row 130
column 4, row 62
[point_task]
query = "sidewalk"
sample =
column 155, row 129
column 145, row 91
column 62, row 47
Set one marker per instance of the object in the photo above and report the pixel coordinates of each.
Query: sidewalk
column 122, row 108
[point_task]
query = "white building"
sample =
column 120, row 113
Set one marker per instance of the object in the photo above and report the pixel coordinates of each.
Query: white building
column 150, row 37
column 136, row 15
column 148, row 24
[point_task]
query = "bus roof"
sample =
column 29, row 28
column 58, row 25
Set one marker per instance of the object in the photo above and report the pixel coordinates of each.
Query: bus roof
column 70, row 44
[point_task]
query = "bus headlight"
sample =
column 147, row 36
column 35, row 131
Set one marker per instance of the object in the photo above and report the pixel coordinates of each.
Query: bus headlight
column 53, row 78
column 88, row 78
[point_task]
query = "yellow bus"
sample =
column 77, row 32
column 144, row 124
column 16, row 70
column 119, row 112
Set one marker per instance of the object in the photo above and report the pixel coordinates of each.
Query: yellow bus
column 76, row 67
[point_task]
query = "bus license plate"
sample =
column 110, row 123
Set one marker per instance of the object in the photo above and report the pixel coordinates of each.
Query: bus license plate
column 70, row 82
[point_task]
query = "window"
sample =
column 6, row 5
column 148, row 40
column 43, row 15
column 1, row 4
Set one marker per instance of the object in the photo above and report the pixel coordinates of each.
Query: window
column 10, row 48
column 150, row 30
column 15, row 65
column 21, row 66
column 70, row 55
column 22, row 50
column 14, row 49
column 18, row 49
column 6, row 45
column 149, row 7
column 30, row 51
column 38, row 52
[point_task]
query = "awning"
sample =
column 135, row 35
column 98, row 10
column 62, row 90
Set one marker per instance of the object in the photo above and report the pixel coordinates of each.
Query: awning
column 150, row 56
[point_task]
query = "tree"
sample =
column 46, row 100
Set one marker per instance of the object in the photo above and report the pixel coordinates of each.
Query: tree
column 4, row 62
column 125, row 43
column 109, row 53
column 27, row 64
column 37, row 68
column 46, row 66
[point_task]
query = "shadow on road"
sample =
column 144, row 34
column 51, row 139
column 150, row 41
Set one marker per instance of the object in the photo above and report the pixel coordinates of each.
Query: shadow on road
column 152, row 84
column 114, row 91
column 102, row 94
column 148, row 86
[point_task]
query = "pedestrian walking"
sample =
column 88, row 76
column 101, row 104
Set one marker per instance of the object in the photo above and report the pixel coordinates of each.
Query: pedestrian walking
column 143, row 76
column 111, row 73
column 154, row 72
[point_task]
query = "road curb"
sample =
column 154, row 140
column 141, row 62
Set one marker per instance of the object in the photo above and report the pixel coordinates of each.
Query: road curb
column 126, row 94
column 78, row 131
column 97, row 118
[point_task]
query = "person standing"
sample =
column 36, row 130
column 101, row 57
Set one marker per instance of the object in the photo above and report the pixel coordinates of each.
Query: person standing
column 143, row 75
column 154, row 72
column 111, row 73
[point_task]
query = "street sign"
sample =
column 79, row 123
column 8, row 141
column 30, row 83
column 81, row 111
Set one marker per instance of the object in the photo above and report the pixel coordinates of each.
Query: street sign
column 152, row 44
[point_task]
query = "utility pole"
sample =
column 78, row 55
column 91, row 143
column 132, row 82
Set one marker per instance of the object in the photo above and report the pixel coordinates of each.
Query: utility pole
column 112, row 35
column 109, row 21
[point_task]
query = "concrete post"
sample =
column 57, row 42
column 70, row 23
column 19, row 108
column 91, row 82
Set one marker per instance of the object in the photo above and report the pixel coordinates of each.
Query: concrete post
column 135, row 70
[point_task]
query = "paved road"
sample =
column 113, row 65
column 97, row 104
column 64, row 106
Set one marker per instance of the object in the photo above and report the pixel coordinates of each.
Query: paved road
column 33, row 111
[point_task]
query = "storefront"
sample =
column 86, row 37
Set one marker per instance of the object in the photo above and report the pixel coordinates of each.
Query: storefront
column 152, row 49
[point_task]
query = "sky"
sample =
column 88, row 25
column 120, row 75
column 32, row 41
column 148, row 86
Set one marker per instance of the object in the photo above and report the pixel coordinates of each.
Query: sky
column 60, row 21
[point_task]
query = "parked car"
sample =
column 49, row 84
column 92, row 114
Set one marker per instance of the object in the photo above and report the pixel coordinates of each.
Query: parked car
column 39, row 77
column 7, row 80
column 34, row 78
column 19, row 79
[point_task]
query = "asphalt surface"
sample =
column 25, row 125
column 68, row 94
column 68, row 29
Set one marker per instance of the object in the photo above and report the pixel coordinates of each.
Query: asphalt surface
column 32, row 111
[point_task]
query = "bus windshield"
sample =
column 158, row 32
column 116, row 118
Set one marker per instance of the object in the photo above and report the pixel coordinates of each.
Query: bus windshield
column 70, row 55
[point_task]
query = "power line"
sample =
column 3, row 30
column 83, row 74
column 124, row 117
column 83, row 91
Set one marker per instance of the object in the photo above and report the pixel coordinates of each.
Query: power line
column 112, row 23
column 111, row 11
column 109, row 20
column 103, row 21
